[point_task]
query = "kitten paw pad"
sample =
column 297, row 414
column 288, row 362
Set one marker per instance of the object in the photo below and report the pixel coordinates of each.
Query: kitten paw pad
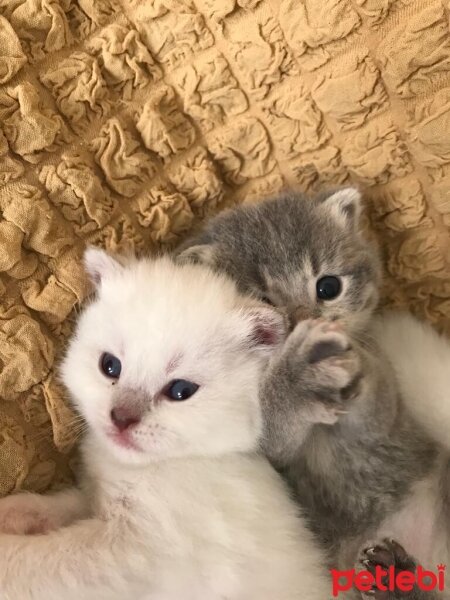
column 388, row 553
column 385, row 554
column 25, row 523
column 19, row 517
column 325, row 340
column 330, row 359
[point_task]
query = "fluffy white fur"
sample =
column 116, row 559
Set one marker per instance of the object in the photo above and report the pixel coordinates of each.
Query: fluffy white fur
column 188, row 510
column 421, row 359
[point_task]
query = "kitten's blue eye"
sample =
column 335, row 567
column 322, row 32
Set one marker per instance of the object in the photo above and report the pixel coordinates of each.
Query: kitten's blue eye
column 328, row 287
column 110, row 365
column 180, row 389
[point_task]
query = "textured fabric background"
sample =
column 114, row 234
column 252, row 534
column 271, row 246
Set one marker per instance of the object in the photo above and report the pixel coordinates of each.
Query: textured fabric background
column 124, row 124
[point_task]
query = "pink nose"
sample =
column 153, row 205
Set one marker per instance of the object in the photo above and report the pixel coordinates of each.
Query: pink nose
column 123, row 418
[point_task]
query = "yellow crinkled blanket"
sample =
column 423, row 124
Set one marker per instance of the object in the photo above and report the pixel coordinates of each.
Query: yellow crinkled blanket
column 124, row 124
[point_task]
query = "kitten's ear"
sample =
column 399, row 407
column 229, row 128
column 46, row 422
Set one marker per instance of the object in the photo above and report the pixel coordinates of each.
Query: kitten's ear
column 100, row 265
column 267, row 328
column 345, row 206
column 204, row 254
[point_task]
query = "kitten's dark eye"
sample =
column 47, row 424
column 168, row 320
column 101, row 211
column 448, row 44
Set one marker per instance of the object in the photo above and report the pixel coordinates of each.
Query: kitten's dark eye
column 110, row 365
column 180, row 389
column 328, row 287
column 267, row 300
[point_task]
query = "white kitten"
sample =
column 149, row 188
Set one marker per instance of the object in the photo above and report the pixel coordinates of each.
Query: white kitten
column 177, row 503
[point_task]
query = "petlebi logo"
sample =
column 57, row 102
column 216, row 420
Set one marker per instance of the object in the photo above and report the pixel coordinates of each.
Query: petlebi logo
column 388, row 579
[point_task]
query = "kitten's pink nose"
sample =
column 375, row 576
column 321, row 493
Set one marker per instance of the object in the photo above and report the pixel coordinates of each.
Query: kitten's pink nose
column 123, row 418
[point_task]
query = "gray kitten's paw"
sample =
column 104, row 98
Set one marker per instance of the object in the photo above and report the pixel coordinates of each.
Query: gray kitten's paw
column 385, row 554
column 328, row 368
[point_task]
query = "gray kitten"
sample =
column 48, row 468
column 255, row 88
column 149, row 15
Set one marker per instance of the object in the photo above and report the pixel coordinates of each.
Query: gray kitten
column 335, row 423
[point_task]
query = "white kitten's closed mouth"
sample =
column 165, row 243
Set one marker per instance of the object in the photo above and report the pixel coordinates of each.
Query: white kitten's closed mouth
column 123, row 439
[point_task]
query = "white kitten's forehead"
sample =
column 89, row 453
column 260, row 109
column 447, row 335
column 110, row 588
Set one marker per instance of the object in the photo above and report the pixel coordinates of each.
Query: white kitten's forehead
column 157, row 315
